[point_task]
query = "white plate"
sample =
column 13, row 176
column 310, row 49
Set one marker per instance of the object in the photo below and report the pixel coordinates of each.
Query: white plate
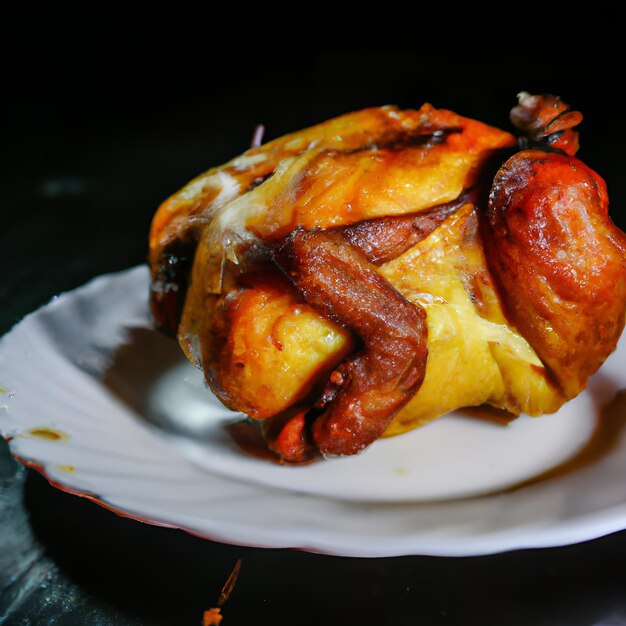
column 108, row 409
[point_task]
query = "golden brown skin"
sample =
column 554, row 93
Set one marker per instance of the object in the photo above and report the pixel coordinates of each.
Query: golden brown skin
column 368, row 164
column 386, row 238
column 560, row 260
column 180, row 220
column 470, row 340
column 332, row 282
column 264, row 309
column 367, row 390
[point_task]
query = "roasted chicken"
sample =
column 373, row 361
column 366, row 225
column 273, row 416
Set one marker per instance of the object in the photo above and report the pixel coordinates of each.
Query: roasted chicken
column 362, row 277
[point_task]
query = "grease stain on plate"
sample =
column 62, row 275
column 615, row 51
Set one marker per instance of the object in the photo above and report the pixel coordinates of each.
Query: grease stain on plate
column 51, row 434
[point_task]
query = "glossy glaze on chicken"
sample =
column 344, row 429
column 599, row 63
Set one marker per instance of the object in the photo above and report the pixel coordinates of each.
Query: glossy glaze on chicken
column 359, row 278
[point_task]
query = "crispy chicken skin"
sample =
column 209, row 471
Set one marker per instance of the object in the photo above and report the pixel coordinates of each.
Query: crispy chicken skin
column 560, row 261
column 362, row 277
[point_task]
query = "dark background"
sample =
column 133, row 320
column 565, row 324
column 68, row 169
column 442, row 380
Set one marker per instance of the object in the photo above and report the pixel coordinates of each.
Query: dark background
column 102, row 121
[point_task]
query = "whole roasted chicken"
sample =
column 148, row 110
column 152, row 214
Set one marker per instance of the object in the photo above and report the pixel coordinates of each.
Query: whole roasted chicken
column 364, row 276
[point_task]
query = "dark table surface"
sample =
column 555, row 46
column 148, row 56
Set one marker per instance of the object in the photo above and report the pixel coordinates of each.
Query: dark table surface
column 90, row 146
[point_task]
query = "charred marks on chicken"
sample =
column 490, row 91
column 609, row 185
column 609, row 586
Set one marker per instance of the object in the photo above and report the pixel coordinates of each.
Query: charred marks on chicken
column 426, row 136
column 170, row 281
column 259, row 180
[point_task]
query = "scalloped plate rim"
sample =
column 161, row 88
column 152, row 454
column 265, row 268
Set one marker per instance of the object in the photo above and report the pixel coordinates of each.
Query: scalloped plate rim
column 584, row 527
